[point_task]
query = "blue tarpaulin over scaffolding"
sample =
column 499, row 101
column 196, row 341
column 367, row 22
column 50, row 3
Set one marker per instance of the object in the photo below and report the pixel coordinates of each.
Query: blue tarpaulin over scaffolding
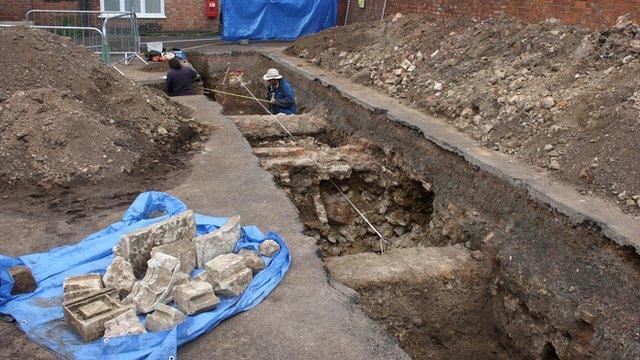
column 276, row 19
column 39, row 314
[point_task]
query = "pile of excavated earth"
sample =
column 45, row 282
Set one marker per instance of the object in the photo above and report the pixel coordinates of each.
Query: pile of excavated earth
column 150, row 271
column 562, row 98
column 68, row 119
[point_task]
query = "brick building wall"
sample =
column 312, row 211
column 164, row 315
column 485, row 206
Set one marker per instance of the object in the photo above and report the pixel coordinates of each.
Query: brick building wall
column 15, row 10
column 187, row 15
column 595, row 14
column 181, row 15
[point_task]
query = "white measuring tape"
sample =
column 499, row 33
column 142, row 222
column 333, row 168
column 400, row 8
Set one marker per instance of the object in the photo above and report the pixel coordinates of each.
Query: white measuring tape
column 382, row 239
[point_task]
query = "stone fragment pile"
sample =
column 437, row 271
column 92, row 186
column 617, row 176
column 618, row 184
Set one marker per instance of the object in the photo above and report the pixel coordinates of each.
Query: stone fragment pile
column 152, row 269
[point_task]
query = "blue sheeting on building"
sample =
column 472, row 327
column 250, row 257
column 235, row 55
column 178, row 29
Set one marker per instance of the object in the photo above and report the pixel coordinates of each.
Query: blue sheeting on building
column 276, row 19
column 39, row 314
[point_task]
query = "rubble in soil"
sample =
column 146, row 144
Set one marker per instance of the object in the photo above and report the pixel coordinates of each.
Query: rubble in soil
column 562, row 98
column 67, row 119
column 398, row 206
column 233, row 77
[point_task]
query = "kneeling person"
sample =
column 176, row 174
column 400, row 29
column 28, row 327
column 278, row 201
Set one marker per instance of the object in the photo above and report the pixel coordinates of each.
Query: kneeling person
column 280, row 93
column 180, row 78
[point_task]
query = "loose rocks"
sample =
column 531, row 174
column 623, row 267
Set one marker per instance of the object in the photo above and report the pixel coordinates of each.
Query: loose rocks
column 137, row 246
column 119, row 275
column 228, row 274
column 87, row 315
column 195, row 297
column 155, row 288
column 269, row 247
column 124, row 324
column 164, row 317
column 218, row 242
column 24, row 281
column 183, row 250
column 78, row 286
column 252, row 260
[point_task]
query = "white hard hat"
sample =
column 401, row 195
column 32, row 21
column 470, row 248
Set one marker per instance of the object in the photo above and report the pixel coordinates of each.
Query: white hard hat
column 272, row 74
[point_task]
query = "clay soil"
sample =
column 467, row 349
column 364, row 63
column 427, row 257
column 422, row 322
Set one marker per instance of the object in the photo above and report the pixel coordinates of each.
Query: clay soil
column 561, row 98
column 76, row 137
column 228, row 74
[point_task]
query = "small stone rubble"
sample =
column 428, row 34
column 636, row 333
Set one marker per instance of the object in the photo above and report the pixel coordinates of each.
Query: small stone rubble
column 269, row 247
column 252, row 260
column 93, row 307
column 24, row 281
column 514, row 87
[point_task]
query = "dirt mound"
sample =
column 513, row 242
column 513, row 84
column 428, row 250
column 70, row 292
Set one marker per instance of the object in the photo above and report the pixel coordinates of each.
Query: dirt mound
column 559, row 97
column 66, row 118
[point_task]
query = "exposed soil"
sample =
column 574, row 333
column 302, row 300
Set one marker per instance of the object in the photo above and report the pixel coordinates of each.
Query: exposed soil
column 562, row 98
column 69, row 120
column 397, row 206
column 434, row 300
column 553, row 288
column 78, row 141
column 156, row 66
column 230, row 76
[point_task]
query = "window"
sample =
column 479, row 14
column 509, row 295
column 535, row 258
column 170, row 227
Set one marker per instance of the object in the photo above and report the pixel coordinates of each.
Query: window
column 143, row 8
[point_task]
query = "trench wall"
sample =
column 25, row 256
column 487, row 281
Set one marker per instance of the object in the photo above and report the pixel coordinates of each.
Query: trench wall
column 560, row 287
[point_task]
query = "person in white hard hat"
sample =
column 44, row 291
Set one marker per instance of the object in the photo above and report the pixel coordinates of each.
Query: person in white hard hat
column 280, row 93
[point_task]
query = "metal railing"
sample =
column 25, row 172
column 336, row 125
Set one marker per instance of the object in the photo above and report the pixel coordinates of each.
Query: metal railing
column 114, row 35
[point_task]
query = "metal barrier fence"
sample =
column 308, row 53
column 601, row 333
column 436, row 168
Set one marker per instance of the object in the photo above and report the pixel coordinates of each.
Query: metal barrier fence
column 114, row 35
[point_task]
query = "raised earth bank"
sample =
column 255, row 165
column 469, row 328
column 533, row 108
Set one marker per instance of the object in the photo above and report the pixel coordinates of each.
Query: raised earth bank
column 76, row 137
column 561, row 98
column 473, row 267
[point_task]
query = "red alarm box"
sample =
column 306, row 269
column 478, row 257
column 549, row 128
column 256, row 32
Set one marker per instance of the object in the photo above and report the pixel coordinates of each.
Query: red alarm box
column 211, row 8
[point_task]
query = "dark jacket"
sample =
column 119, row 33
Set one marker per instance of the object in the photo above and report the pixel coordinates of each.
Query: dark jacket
column 285, row 98
column 179, row 81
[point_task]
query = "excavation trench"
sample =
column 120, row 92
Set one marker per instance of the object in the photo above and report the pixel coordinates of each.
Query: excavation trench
column 470, row 266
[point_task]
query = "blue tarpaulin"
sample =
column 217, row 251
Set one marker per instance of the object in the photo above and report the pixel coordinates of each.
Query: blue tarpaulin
column 276, row 19
column 39, row 314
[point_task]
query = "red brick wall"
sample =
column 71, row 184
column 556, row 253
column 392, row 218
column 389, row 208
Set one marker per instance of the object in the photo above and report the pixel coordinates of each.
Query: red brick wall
column 590, row 13
column 15, row 10
column 181, row 15
column 187, row 15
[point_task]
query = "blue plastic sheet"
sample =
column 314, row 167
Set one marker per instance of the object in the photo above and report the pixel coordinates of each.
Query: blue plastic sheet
column 39, row 314
column 276, row 19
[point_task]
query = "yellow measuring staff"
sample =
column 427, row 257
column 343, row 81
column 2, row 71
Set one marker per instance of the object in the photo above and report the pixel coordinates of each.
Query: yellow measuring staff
column 236, row 95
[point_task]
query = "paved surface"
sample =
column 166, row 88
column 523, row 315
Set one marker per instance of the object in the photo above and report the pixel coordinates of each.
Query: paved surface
column 622, row 228
column 305, row 317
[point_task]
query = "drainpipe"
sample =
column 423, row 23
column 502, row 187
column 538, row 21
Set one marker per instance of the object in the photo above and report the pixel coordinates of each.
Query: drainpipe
column 346, row 16
column 384, row 9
